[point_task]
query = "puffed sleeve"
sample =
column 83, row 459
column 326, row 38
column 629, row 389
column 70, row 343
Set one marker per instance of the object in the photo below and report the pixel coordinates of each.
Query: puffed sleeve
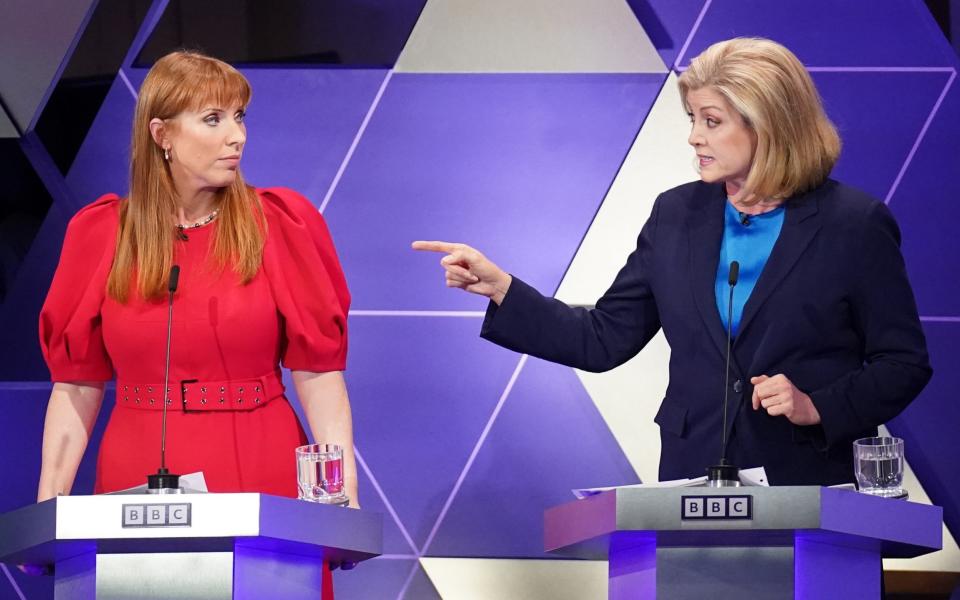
column 308, row 285
column 71, row 333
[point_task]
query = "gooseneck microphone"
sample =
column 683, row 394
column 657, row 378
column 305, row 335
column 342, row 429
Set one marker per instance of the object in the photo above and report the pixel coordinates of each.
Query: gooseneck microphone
column 163, row 481
column 724, row 474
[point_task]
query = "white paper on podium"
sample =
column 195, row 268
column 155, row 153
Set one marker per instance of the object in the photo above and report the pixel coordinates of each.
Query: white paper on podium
column 845, row 486
column 757, row 476
column 193, row 483
column 754, row 476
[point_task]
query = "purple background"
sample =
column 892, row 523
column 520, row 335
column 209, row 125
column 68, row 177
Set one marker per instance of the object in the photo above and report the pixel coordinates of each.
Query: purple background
column 462, row 443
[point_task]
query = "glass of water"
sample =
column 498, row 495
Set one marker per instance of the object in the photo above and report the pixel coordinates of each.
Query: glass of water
column 320, row 474
column 878, row 464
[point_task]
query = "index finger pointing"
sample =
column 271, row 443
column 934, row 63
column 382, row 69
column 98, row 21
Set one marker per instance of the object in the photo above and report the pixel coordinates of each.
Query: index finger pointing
column 434, row 246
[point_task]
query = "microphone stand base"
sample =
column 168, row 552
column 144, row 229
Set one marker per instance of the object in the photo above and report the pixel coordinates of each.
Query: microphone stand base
column 723, row 475
column 164, row 491
column 163, row 482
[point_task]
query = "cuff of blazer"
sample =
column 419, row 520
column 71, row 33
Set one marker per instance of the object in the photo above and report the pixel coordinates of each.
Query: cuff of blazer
column 814, row 434
column 501, row 323
column 837, row 420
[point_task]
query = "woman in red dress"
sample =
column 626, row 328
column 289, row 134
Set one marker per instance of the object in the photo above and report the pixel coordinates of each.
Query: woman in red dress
column 260, row 285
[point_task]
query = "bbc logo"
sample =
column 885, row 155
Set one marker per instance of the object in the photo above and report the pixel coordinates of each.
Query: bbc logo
column 716, row 507
column 156, row 515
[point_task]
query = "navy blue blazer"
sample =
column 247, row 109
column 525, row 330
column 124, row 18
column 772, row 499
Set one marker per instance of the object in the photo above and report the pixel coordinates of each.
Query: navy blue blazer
column 833, row 311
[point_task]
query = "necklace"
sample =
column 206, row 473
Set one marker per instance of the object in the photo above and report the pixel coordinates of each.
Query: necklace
column 200, row 223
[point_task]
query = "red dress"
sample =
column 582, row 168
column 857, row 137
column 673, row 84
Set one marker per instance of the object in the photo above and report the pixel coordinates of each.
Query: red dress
column 228, row 341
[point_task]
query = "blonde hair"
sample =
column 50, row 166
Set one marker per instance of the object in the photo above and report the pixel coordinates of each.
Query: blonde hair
column 180, row 81
column 797, row 145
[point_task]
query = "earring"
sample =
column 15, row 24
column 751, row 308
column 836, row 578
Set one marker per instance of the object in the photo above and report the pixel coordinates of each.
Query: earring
column 166, row 154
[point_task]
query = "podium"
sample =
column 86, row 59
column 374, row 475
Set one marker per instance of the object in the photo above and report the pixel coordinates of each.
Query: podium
column 748, row 542
column 210, row 546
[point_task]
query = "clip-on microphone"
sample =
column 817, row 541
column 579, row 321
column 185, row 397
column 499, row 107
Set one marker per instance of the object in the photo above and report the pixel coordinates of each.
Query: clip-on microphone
column 725, row 474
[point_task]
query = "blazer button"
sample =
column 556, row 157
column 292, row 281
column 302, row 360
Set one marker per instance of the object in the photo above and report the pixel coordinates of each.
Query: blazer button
column 738, row 386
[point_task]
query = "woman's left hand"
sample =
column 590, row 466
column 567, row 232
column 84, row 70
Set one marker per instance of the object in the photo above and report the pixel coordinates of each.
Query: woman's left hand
column 778, row 396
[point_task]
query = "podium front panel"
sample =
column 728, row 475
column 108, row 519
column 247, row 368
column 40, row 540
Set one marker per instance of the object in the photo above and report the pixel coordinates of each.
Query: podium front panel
column 241, row 546
column 779, row 542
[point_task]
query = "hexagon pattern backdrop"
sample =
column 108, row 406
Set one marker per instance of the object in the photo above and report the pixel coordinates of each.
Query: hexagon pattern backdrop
column 539, row 131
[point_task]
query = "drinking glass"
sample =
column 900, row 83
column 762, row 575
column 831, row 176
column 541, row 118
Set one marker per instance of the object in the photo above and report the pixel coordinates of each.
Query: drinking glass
column 320, row 473
column 878, row 464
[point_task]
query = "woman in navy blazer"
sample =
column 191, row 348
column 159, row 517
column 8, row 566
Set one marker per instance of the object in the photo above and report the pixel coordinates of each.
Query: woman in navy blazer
column 827, row 345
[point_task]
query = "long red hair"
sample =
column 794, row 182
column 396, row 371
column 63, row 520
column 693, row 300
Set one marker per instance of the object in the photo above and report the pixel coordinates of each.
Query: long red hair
column 182, row 80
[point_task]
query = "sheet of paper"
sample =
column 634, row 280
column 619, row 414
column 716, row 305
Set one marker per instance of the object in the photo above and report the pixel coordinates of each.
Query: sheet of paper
column 584, row 492
column 845, row 486
column 193, row 483
column 756, row 476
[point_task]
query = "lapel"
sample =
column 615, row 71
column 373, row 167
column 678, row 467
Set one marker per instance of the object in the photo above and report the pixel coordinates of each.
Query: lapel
column 704, row 234
column 800, row 224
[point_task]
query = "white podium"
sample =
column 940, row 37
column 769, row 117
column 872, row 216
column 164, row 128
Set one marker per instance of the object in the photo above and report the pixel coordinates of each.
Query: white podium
column 803, row 542
column 209, row 546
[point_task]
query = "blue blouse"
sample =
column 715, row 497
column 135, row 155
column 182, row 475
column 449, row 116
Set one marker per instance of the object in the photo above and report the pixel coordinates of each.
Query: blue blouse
column 750, row 245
